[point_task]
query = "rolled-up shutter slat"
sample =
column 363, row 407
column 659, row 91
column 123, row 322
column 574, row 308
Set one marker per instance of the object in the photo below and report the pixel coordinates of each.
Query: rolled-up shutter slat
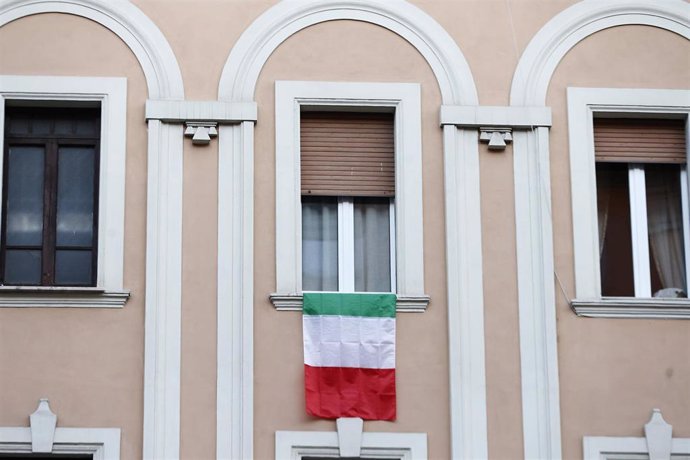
column 347, row 154
column 624, row 140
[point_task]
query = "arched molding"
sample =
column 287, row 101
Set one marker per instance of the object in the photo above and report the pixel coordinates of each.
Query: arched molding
column 564, row 31
column 234, row 436
column 128, row 22
column 257, row 43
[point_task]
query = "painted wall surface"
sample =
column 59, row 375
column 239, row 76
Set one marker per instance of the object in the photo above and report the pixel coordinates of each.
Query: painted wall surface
column 88, row 362
column 614, row 371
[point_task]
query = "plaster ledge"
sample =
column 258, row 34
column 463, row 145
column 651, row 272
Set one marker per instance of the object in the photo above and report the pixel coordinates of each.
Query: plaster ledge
column 60, row 297
column 625, row 307
column 404, row 304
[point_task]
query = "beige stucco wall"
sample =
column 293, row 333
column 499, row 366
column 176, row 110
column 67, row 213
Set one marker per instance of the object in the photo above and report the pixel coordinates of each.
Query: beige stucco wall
column 613, row 372
column 88, row 362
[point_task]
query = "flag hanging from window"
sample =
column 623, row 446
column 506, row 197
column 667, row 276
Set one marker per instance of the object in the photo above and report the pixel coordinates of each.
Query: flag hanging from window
column 349, row 355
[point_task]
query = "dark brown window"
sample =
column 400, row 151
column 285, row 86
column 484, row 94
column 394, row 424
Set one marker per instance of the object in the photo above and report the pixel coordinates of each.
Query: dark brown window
column 642, row 207
column 50, row 196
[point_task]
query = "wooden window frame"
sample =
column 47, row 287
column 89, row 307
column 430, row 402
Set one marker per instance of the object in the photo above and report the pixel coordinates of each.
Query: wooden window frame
column 111, row 94
column 51, row 143
column 583, row 105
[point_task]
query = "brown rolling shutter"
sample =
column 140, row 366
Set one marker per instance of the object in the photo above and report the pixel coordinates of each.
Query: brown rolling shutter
column 347, row 154
column 624, row 140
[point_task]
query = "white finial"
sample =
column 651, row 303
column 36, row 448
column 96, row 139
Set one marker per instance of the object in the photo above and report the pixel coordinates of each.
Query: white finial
column 43, row 422
column 659, row 436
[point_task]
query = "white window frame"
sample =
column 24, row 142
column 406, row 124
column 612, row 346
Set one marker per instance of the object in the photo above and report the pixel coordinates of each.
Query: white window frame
column 627, row 448
column 111, row 93
column 405, row 100
column 294, row 445
column 102, row 443
column 583, row 104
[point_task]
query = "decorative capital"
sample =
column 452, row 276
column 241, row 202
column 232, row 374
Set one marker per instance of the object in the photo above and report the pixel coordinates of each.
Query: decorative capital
column 659, row 436
column 496, row 137
column 201, row 132
column 43, row 422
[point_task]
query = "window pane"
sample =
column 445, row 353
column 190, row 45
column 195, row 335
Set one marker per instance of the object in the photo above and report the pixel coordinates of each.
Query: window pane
column 75, row 199
column 18, row 125
column 87, row 126
column 372, row 245
column 40, row 126
column 615, row 243
column 319, row 244
column 22, row 266
column 73, row 267
column 25, row 196
column 665, row 224
column 64, row 126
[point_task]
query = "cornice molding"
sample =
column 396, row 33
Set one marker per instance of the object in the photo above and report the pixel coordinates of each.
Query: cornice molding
column 178, row 111
column 404, row 304
column 632, row 308
column 26, row 297
column 477, row 116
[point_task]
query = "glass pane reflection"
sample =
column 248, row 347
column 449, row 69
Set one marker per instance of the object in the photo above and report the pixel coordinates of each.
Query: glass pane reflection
column 73, row 268
column 319, row 244
column 25, row 196
column 22, row 267
column 372, row 245
column 75, row 199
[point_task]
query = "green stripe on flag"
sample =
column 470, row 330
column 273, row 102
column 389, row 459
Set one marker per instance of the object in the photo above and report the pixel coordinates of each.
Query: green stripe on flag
column 349, row 304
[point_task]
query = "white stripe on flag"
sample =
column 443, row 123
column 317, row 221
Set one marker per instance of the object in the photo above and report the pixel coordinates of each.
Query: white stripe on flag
column 349, row 341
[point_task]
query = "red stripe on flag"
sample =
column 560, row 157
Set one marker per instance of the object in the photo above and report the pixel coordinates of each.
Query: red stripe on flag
column 333, row 392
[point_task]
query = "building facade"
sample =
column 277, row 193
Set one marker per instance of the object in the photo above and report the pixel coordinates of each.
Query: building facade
column 533, row 220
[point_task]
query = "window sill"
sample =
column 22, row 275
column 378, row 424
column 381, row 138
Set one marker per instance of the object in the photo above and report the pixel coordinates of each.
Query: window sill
column 625, row 307
column 60, row 297
column 404, row 304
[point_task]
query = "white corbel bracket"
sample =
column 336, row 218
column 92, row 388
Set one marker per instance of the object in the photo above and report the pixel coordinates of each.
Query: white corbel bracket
column 201, row 132
column 201, row 118
column 350, row 436
column 496, row 137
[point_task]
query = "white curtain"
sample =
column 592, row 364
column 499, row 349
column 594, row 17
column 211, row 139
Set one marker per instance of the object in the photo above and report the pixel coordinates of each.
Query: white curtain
column 320, row 244
column 603, row 200
column 665, row 222
column 372, row 245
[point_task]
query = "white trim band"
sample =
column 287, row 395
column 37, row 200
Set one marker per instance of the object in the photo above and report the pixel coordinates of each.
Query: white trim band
column 484, row 115
column 219, row 111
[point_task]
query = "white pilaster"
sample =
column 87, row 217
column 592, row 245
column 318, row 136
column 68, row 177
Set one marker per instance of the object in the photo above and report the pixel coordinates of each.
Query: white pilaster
column 536, row 296
column 465, row 294
column 163, row 292
column 235, row 369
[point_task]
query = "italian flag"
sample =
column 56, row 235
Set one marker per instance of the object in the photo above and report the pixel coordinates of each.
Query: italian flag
column 349, row 355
